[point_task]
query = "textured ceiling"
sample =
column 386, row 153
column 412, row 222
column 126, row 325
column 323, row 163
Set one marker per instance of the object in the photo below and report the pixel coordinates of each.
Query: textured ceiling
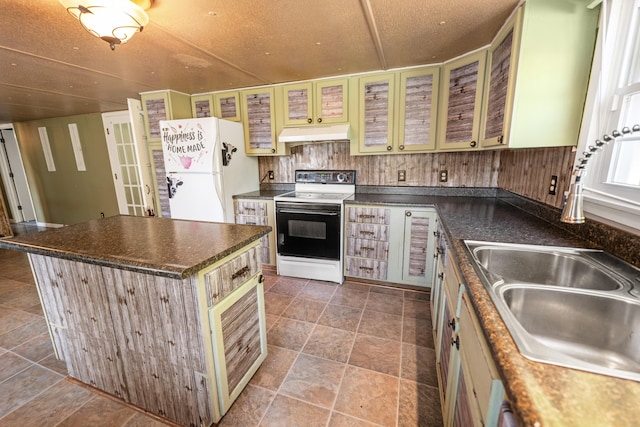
column 51, row 67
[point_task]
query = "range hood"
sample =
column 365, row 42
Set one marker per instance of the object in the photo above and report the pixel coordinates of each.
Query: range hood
column 308, row 134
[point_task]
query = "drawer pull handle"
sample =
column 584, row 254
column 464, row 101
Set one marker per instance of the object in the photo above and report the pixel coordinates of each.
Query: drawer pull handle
column 364, row 248
column 244, row 270
column 366, row 268
column 452, row 323
column 250, row 209
column 367, row 233
column 456, row 342
column 366, row 216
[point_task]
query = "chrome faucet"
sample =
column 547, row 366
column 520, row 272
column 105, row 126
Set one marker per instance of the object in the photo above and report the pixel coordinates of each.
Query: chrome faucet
column 572, row 212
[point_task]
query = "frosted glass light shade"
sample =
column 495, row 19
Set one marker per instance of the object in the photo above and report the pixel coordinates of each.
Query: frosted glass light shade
column 114, row 21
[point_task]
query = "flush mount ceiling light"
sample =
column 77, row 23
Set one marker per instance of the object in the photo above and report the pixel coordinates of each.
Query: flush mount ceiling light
column 114, row 21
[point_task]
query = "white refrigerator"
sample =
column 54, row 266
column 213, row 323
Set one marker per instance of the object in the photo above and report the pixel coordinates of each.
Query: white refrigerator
column 206, row 165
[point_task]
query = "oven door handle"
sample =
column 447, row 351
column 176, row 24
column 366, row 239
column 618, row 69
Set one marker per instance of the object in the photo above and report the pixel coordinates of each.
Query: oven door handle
column 292, row 211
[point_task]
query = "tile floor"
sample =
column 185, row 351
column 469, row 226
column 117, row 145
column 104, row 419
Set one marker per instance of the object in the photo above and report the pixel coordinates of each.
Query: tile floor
column 350, row 355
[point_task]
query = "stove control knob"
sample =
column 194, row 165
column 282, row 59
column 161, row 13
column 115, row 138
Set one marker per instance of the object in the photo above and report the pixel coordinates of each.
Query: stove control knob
column 341, row 177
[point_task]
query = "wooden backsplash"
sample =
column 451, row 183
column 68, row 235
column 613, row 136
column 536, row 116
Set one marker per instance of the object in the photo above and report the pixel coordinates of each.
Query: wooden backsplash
column 526, row 172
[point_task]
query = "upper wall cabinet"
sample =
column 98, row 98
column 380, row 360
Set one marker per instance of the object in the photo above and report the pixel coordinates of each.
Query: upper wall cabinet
column 202, row 105
column 537, row 76
column 163, row 105
column 375, row 108
column 226, row 105
column 461, row 101
column 313, row 103
column 417, row 110
column 258, row 116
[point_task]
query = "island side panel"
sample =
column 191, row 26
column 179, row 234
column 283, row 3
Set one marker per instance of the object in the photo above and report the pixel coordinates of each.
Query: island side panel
column 161, row 345
column 75, row 302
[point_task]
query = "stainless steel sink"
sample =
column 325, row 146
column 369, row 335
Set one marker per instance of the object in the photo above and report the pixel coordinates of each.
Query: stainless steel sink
column 548, row 267
column 566, row 306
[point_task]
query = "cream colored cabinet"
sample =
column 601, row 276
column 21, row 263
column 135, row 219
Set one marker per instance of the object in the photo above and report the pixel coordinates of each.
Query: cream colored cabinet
column 202, row 105
column 314, row 103
column 461, row 102
column 367, row 246
column 470, row 387
column 390, row 243
column 226, row 105
column 417, row 110
column 259, row 212
column 163, row 105
column 537, row 77
column 258, row 117
column 375, row 113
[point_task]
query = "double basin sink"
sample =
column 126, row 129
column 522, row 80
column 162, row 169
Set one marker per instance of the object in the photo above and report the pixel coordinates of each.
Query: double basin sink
column 577, row 308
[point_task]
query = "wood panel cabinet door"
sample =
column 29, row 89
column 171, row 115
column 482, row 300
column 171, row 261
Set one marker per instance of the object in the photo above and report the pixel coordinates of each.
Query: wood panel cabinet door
column 259, row 124
column 375, row 124
column 500, row 85
column 461, row 101
column 226, row 105
column 418, row 248
column 239, row 339
column 163, row 105
column 315, row 103
column 418, row 108
column 202, row 106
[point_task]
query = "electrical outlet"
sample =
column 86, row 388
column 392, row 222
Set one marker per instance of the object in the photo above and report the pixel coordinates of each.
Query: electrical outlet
column 271, row 175
column 553, row 185
column 444, row 176
column 402, row 175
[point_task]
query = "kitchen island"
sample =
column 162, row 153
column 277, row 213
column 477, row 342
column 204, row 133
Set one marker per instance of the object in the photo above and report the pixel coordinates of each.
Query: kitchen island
column 164, row 314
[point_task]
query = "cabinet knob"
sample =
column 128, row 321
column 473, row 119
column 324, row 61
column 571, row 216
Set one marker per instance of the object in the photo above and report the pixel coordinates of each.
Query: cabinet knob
column 273, row 150
column 309, row 120
column 389, row 148
column 261, row 279
column 501, row 139
column 319, row 119
column 452, row 323
column 456, row 342
column 441, row 275
column 473, row 143
column 407, row 213
column 401, row 147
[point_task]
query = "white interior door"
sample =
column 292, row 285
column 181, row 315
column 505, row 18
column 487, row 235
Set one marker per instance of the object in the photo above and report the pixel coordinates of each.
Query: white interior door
column 125, row 166
column 16, row 187
column 136, row 117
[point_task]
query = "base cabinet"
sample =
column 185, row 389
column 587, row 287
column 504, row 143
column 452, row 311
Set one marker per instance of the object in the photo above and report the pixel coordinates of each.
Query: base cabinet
column 471, row 391
column 259, row 212
column 182, row 349
column 390, row 243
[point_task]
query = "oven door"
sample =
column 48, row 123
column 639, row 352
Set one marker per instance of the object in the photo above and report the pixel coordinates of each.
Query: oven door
column 309, row 230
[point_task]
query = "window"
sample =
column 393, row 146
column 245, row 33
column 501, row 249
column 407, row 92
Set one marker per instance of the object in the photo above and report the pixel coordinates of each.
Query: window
column 612, row 181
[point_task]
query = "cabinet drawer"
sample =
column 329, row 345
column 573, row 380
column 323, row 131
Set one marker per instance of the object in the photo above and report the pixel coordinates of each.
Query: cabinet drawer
column 251, row 208
column 368, row 231
column 369, row 215
column 231, row 275
column 251, row 220
column 366, row 248
column 361, row 267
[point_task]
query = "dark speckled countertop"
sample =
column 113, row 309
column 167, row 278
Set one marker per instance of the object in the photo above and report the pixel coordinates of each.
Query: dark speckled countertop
column 158, row 246
column 541, row 394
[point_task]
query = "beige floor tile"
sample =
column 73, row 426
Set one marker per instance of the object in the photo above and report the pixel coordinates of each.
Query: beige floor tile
column 54, row 364
column 51, row 407
column 385, row 303
column 288, row 412
column 23, row 333
column 419, row 405
column 424, row 296
column 24, row 385
column 313, row 380
column 417, row 331
column 341, row 317
column 21, row 298
column 249, row 408
column 275, row 367
column 368, row 395
column 321, row 291
column 289, row 286
column 11, row 319
column 382, row 325
column 349, row 297
column 142, row 420
column 36, row 349
column 11, row 364
column 348, row 284
column 419, row 364
column 341, row 420
column 100, row 411
column 270, row 320
column 305, row 309
column 330, row 343
column 289, row 333
column 387, row 291
column 377, row 354
column 417, row 308
column 275, row 303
